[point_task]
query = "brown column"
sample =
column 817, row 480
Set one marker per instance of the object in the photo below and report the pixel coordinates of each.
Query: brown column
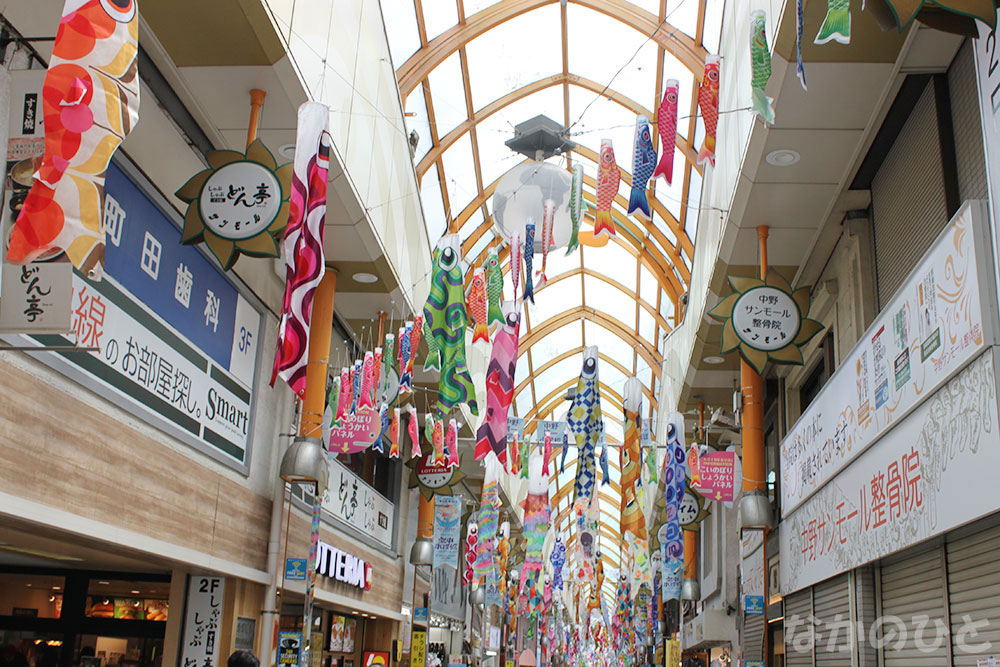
column 690, row 554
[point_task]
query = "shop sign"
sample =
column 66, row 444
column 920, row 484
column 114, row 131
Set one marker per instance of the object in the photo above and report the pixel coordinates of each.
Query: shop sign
column 718, row 472
column 295, row 569
column 178, row 342
column 988, row 77
column 933, row 327
column 35, row 298
column 753, row 663
column 765, row 320
column 692, row 510
column 353, row 501
column 201, row 642
column 342, row 566
column 289, row 648
column 933, row 471
column 420, row 615
column 447, row 531
column 673, row 653
column 246, row 633
column 376, row 659
column 433, row 480
column 752, row 572
column 418, row 649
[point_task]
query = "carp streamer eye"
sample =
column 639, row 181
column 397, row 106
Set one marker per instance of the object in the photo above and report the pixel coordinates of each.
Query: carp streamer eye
column 122, row 11
column 448, row 259
column 672, row 97
column 590, row 366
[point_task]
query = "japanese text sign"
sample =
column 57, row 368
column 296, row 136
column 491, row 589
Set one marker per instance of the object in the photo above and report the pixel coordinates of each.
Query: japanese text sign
column 718, row 475
column 930, row 329
column 355, row 502
column 447, row 531
column 202, row 642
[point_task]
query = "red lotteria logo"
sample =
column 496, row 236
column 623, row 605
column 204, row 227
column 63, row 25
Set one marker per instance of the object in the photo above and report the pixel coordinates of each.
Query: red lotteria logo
column 368, row 577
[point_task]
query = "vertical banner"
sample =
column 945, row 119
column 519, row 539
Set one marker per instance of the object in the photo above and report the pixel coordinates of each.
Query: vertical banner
column 202, row 621
column 447, row 531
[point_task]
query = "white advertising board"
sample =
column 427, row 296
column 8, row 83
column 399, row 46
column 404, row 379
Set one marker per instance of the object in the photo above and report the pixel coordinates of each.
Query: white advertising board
column 935, row 470
column 938, row 320
column 350, row 499
column 202, row 638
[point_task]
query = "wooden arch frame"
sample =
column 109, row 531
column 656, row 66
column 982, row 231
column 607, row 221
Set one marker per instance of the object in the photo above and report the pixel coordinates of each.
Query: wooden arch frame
column 566, row 355
column 429, row 56
column 648, row 353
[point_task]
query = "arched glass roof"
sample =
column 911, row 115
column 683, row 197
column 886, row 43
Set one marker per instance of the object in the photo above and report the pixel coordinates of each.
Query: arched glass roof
column 468, row 71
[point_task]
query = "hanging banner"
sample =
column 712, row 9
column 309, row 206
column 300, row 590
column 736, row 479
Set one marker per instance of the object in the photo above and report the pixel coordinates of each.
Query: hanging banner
column 447, row 531
column 446, row 590
column 932, row 327
column 201, row 643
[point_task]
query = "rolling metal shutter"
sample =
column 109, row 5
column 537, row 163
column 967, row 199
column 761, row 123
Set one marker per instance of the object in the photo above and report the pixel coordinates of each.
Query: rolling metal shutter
column 798, row 629
column 753, row 637
column 866, row 612
column 913, row 590
column 832, row 609
column 974, row 590
column 970, row 158
column 908, row 198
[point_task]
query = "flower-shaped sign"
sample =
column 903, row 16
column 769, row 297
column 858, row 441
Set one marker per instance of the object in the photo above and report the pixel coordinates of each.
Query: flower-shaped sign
column 433, row 479
column 765, row 320
column 238, row 205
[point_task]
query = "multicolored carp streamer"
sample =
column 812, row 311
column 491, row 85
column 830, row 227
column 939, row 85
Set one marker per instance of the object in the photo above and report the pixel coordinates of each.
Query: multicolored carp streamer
column 446, row 316
column 451, row 443
column 525, row 456
column 558, row 558
column 708, row 102
column 489, row 516
column 394, row 435
column 608, row 178
column 437, row 439
column 605, row 472
column 330, row 414
column 503, row 557
column 536, row 526
column 565, row 451
column 357, row 373
column 643, row 164
column 515, row 263
column 666, row 125
column 547, row 456
column 632, row 519
column 576, row 207
column 90, row 102
column 584, row 422
column 548, row 219
column 529, row 258
column 344, row 402
column 405, row 354
column 478, row 307
column 471, row 539
column 671, row 539
column 415, row 333
column 800, row 68
column 433, row 360
column 760, row 67
column 837, row 24
column 305, row 258
column 367, row 380
column 494, row 288
column 492, row 433
column 413, row 429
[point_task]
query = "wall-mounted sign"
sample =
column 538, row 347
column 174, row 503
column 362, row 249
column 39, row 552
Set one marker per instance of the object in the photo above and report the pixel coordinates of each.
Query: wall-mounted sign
column 178, row 342
column 201, row 643
column 927, row 474
column 342, row 566
column 932, row 327
column 246, row 633
column 376, row 659
column 418, row 649
column 718, row 475
column 420, row 615
column 295, row 569
column 289, row 648
column 765, row 320
column 36, row 297
column 355, row 502
column 238, row 205
column 692, row 510
column 433, row 479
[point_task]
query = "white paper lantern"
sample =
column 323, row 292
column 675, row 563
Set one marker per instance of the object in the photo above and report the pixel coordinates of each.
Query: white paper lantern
column 521, row 194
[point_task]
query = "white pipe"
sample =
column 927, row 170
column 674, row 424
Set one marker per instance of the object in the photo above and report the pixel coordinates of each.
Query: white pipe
column 268, row 614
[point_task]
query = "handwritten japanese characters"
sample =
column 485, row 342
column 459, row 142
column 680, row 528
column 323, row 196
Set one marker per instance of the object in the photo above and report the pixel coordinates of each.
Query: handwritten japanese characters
column 201, row 643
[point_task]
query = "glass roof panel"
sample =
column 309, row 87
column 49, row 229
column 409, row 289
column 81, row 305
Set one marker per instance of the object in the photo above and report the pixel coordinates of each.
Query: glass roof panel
column 588, row 30
column 447, row 94
column 557, row 374
column 612, row 260
column 461, row 173
column 418, row 121
column 564, row 338
column 499, row 61
column 683, row 14
column 556, row 298
column 441, row 15
column 610, row 300
column 499, row 127
column 430, row 196
column 694, row 202
column 713, row 25
column 401, row 29
column 647, row 325
column 609, row 344
column 647, row 286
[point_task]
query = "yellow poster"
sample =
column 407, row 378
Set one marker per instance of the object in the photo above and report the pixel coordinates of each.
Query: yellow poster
column 510, row 663
column 673, row 653
column 418, row 649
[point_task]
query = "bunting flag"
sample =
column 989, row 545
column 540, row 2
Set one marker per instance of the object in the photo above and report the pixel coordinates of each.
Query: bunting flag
column 90, row 103
column 492, row 432
column 305, row 259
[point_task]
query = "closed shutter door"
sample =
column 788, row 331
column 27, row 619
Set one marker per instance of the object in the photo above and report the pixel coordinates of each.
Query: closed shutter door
column 798, row 628
column 864, row 596
column 913, row 591
column 969, row 156
column 753, row 637
column 974, row 591
column 908, row 202
column 832, row 609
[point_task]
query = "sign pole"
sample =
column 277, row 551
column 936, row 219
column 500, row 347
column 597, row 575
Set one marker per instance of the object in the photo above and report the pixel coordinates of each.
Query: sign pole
column 256, row 102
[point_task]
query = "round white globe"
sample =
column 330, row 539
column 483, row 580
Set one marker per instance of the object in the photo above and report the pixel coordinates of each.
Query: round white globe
column 521, row 195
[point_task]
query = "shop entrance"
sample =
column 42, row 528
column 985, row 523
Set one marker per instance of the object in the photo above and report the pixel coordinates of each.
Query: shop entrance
column 82, row 618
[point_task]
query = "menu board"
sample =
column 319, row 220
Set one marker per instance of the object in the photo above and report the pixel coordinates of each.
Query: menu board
column 337, row 633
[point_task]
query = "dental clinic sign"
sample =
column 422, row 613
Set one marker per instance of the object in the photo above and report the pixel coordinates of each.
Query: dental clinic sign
column 342, row 566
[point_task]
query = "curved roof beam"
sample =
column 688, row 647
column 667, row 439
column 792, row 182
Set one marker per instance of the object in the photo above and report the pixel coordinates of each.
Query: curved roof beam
column 606, row 392
column 420, row 64
column 647, row 352
column 445, row 142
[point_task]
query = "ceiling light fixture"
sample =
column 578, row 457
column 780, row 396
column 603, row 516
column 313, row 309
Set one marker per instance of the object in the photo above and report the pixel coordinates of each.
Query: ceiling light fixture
column 783, row 157
column 287, row 150
column 714, row 360
column 366, row 278
column 136, row 592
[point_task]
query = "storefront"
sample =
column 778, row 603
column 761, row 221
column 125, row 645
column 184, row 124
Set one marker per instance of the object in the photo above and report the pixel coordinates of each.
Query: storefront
column 52, row 616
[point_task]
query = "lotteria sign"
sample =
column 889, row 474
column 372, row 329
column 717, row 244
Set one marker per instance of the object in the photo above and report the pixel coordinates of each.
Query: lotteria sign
column 342, row 566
